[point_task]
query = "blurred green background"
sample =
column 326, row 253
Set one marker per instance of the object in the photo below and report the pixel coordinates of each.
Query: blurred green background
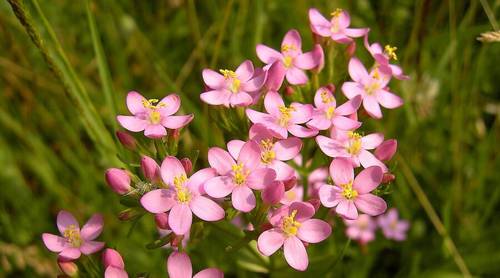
column 57, row 130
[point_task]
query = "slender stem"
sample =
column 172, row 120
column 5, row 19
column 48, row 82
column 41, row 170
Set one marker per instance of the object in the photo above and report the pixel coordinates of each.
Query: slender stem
column 490, row 14
column 222, row 31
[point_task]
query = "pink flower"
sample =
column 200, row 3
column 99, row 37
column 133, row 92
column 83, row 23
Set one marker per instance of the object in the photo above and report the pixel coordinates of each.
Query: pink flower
column 238, row 178
column 327, row 114
column 362, row 229
column 351, row 194
column 391, row 226
column 354, row 147
column 281, row 119
column 179, row 266
column 113, row 264
column 292, row 58
column 383, row 57
column 371, row 87
column 292, row 226
column 183, row 197
column 118, row 180
column 74, row 241
column 336, row 28
column 153, row 116
column 231, row 88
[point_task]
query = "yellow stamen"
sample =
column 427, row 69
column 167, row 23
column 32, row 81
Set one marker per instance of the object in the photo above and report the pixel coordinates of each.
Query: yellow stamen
column 290, row 226
column 240, row 174
column 285, row 115
column 287, row 47
column 348, row 192
column 326, row 97
column 376, row 74
column 336, row 13
column 372, row 87
column 354, row 145
column 152, row 103
column 155, row 117
column 391, row 52
column 287, row 61
column 182, row 191
column 228, row 73
column 72, row 234
column 330, row 112
column 235, row 82
column 268, row 154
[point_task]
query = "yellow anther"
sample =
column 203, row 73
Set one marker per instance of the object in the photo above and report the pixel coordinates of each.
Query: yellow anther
column 354, row 145
column 286, row 115
column 151, row 103
column 372, row 87
column 348, row 192
column 240, row 174
column 326, row 97
column 268, row 154
column 336, row 13
column 182, row 191
column 330, row 112
column 287, row 61
column 234, row 87
column 72, row 234
column 155, row 117
column 228, row 73
column 391, row 52
column 287, row 47
column 290, row 226
column 376, row 74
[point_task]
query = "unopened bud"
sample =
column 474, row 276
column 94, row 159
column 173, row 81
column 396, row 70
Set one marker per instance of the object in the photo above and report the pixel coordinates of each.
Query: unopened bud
column 187, row 164
column 111, row 257
column 68, row 267
column 175, row 134
column 289, row 91
column 273, row 193
column 315, row 202
column 386, row 150
column 351, row 48
column 290, row 183
column 266, row 226
column 388, row 178
column 127, row 140
column 331, row 88
column 118, row 180
column 150, row 168
column 318, row 57
column 161, row 220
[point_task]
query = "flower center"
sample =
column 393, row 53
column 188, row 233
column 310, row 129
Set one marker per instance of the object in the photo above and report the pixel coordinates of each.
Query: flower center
column 288, row 47
column 240, row 174
column 393, row 225
column 354, row 145
column 348, row 192
column 390, row 51
column 330, row 111
column 235, row 84
column 287, row 61
column 326, row 97
column 152, row 103
column 335, row 20
column 372, row 86
column 290, row 226
column 285, row 115
column 72, row 234
column 155, row 117
column 336, row 13
column 183, row 194
column 267, row 155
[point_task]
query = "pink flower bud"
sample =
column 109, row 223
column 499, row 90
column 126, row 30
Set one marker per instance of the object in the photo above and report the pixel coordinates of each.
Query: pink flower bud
column 331, row 88
column 319, row 57
column 290, row 183
column 127, row 214
column 273, row 193
column 386, row 150
column 118, row 180
column 111, row 257
column 161, row 220
column 351, row 48
column 150, row 168
column 315, row 202
column 387, row 178
column 289, row 91
column 127, row 140
column 68, row 268
column 275, row 75
column 187, row 164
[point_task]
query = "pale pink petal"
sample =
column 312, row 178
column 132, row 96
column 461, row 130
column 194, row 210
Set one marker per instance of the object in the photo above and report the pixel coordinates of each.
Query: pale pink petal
column 170, row 168
column 273, row 192
column 180, row 219
column 306, row 61
column 275, row 75
column 288, row 148
column 314, row 231
column 368, row 179
column 93, row 227
column 397, row 72
column 350, row 107
column 341, row 38
column 370, row 204
column 65, row 219
column 352, row 89
column 371, row 141
column 331, row 147
column 273, row 102
column 206, row 209
column 132, row 123
column 221, row 160
column 197, row 180
column 356, row 32
column 245, row 71
column 300, row 113
column 157, row 201
column 367, row 159
column 169, row 105
column 240, row 99
column 283, row 170
column 90, row 247
column 258, row 117
column 259, row 178
column 319, row 24
column 304, row 210
column 217, row 97
column 295, row 253
column 292, row 37
column 209, row 273
column 213, row 79
column 111, row 257
column 278, row 131
column 250, row 155
column 319, row 98
column 54, row 243
column 234, row 147
column 341, row 171
column 344, row 20
column 270, row 241
column 70, row 254
column 219, row 187
column 115, row 272
column 372, row 107
column 155, row 131
column 176, row 122
column 296, row 76
column 267, row 54
column 388, row 99
column 302, row 132
column 328, row 195
column 345, row 123
column 357, row 70
column 179, row 265
column 347, row 209
column 135, row 103
column 319, row 121
column 243, row 199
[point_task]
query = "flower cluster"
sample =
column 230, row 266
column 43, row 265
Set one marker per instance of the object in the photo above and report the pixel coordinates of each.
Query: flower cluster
column 272, row 181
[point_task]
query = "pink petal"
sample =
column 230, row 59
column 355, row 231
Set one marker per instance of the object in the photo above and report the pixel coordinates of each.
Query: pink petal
column 356, row 70
column 319, row 24
column 132, row 123
column 213, row 79
column 258, row 117
column 295, row 253
column 65, row 219
column 273, row 102
column 341, row 171
column 70, row 254
column 304, row 210
column 370, row 204
column 155, row 131
column 171, row 105
column 283, row 170
column 302, row 132
column 176, row 122
column 347, row 209
column 296, row 76
column 356, row 32
column 328, row 195
column 206, row 209
column 115, row 272
column 179, row 265
column 216, row 97
column 243, row 199
column 350, row 107
column 345, row 123
column 54, row 243
column 180, row 219
column 301, row 113
column 250, row 155
column 219, row 187
column 371, row 106
column 273, row 193
column 292, row 37
column 259, row 178
column 221, row 160
column 319, row 121
column 367, row 159
column 314, row 231
column 306, row 61
column 386, row 150
column 270, row 241
column 259, row 132
column 234, row 147
column 111, row 257
column 93, row 227
column 388, row 99
column 344, row 20
column 368, row 179
column 254, row 84
column 288, row 148
column 267, row 54
column 90, row 247
column 157, row 201
column 209, row 273
column 245, row 71
column 197, row 181
column 371, row 141
column 330, row 147
column 240, row 99
column 352, row 89
column 170, row 168
column 275, row 75
column 135, row 103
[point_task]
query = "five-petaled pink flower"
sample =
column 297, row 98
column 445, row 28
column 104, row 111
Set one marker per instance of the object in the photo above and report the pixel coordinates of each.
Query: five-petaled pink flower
column 179, row 266
column 74, row 241
column 281, row 119
column 351, row 194
column 371, row 87
column 291, row 57
column 392, row 227
column 292, row 226
column 183, row 197
column 232, row 88
column 382, row 58
column 361, row 229
column 238, row 178
column 336, row 28
column 153, row 116
column 327, row 114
